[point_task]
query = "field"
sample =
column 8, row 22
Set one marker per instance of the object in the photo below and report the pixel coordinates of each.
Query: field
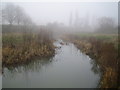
column 20, row 48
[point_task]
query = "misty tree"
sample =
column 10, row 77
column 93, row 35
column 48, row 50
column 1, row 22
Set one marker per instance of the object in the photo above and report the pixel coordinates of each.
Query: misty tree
column 9, row 13
column 12, row 13
column 76, row 19
column 19, row 14
column 26, row 20
column 70, row 19
column 106, row 25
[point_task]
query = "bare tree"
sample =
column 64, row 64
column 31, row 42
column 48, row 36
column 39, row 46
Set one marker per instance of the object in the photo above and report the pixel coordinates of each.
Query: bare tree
column 106, row 25
column 70, row 20
column 19, row 14
column 9, row 13
column 26, row 20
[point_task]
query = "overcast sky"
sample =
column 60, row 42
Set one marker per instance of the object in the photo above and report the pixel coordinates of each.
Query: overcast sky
column 44, row 12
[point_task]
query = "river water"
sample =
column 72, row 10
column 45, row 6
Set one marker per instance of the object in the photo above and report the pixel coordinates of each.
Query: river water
column 69, row 68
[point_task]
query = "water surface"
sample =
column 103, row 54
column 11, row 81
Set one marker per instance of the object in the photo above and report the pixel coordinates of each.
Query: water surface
column 69, row 68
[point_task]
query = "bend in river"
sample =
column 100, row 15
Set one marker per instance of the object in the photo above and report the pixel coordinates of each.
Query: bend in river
column 69, row 68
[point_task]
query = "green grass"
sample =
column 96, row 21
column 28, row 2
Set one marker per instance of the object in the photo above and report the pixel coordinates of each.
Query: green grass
column 110, row 38
column 7, row 39
column 98, row 36
column 20, row 48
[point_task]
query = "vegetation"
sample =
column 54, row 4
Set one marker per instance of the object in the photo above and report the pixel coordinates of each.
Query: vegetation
column 22, row 40
column 104, row 51
column 19, row 48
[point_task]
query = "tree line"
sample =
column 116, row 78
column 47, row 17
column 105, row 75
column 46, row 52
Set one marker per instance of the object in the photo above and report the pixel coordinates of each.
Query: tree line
column 13, row 14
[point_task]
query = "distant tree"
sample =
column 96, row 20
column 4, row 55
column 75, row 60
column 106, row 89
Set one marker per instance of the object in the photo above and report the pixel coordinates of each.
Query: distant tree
column 106, row 25
column 9, row 13
column 26, row 20
column 12, row 13
column 76, row 19
column 70, row 19
column 19, row 14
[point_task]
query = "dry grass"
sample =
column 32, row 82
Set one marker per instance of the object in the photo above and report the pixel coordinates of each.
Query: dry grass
column 105, row 53
column 21, row 48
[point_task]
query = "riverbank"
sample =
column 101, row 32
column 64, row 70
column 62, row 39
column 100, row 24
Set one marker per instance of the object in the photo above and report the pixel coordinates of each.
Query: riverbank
column 68, row 68
column 18, row 49
column 104, row 52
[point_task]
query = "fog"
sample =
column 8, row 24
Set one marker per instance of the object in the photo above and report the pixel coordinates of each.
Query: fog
column 60, row 34
column 77, row 16
column 42, row 13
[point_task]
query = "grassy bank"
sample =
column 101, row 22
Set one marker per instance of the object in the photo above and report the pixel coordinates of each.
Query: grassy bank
column 104, row 49
column 20, row 48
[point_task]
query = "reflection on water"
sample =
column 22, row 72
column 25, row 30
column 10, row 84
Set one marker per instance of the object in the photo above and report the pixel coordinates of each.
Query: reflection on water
column 69, row 68
column 33, row 66
column 95, row 68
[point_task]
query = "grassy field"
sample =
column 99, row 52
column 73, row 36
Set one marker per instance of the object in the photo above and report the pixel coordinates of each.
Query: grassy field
column 104, row 49
column 113, row 38
column 18, row 48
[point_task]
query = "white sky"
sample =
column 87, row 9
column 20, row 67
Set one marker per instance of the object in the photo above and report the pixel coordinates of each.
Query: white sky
column 44, row 12
column 60, row 0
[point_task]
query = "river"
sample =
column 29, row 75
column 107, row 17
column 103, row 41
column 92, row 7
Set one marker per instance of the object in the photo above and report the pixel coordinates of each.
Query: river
column 69, row 68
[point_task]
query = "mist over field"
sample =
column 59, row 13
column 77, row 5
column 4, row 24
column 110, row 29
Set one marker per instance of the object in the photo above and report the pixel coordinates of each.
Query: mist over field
column 83, row 16
column 60, row 45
